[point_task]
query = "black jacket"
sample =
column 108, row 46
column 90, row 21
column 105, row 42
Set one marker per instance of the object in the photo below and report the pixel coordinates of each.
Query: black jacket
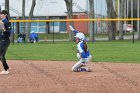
column 7, row 28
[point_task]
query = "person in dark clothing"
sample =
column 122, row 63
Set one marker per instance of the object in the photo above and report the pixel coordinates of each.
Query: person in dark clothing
column 4, row 40
column 21, row 37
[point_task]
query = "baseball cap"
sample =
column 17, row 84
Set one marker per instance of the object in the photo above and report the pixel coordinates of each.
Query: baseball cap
column 32, row 31
column 4, row 12
column 81, row 36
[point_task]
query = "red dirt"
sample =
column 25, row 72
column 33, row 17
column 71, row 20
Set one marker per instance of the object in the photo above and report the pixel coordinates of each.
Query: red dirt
column 57, row 77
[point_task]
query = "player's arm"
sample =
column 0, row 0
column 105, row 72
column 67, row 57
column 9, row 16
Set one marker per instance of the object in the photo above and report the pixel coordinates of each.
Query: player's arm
column 7, row 29
column 7, row 26
column 72, row 29
column 1, row 25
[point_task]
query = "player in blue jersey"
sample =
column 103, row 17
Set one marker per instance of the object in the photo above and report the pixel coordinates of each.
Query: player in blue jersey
column 33, row 37
column 83, row 53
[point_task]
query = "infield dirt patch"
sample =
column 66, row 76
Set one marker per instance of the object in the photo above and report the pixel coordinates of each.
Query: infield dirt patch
column 57, row 77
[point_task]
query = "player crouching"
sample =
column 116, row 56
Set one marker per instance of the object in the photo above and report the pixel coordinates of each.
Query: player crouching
column 83, row 52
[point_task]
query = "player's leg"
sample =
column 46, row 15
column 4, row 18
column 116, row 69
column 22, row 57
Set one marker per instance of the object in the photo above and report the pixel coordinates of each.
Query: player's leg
column 3, row 49
column 80, row 66
column 77, row 66
column 19, row 40
column 87, row 60
column 4, row 63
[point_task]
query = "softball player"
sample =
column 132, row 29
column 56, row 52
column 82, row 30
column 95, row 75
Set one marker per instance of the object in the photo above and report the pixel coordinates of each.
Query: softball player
column 83, row 53
column 4, row 40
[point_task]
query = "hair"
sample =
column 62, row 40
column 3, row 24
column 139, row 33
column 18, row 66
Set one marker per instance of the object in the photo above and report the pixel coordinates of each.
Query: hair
column 5, row 13
column 7, row 17
column 85, row 46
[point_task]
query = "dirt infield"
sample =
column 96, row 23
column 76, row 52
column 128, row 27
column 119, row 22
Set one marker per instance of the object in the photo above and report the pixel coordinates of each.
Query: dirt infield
column 57, row 77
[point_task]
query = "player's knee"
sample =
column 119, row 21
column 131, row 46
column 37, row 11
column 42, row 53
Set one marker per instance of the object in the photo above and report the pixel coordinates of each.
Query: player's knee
column 88, row 59
column 75, row 70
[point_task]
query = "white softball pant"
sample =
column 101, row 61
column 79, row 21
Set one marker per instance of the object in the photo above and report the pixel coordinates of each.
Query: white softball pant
column 80, row 63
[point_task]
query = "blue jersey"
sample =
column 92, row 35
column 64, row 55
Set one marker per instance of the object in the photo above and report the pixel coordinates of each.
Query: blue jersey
column 82, row 51
column 33, row 35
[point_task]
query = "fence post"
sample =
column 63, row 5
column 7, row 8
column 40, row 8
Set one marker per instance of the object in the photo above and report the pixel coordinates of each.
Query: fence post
column 53, row 32
column 133, row 37
column 13, row 33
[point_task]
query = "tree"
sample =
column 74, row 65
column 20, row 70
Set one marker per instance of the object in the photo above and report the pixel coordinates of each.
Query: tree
column 112, row 24
column 0, row 7
column 70, row 15
column 122, row 3
column 23, row 14
column 30, row 16
column 7, row 7
column 91, row 23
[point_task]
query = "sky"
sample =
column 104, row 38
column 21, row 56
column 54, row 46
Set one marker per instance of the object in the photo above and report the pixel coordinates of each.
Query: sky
column 100, row 7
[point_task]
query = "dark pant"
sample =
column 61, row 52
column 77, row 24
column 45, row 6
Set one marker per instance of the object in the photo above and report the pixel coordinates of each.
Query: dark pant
column 3, row 48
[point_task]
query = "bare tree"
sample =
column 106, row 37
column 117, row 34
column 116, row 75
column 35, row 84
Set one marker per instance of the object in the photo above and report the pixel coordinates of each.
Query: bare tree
column 0, row 7
column 91, row 23
column 112, row 24
column 7, row 7
column 70, row 15
column 30, row 16
column 23, row 14
column 122, row 3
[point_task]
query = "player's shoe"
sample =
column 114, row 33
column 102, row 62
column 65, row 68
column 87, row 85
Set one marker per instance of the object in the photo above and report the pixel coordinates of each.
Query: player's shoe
column 88, row 70
column 4, row 72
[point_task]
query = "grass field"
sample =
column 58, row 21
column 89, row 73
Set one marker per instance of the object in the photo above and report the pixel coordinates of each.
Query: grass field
column 103, row 51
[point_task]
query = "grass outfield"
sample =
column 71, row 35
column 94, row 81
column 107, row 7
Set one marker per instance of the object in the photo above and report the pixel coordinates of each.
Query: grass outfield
column 103, row 51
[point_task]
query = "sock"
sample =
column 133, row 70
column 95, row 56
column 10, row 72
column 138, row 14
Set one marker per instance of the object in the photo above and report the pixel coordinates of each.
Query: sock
column 83, row 69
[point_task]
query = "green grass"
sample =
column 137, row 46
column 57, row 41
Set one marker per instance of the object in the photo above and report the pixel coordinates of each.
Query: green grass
column 102, row 51
column 117, row 51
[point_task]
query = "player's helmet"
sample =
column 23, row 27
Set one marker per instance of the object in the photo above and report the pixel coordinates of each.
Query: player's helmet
column 32, row 32
column 81, row 36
